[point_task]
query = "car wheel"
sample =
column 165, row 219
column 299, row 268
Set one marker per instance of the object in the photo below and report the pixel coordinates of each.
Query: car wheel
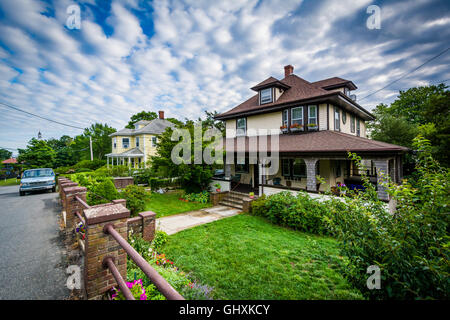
column 21, row 193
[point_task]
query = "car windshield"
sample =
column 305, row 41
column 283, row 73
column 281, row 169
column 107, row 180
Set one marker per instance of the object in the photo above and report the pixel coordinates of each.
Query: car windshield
column 38, row 173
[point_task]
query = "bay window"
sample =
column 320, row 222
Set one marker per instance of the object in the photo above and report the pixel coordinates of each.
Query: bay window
column 358, row 128
column 297, row 118
column 312, row 117
column 337, row 119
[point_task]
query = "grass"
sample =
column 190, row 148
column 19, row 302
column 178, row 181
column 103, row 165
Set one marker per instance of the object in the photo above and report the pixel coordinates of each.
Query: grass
column 9, row 182
column 168, row 204
column 246, row 257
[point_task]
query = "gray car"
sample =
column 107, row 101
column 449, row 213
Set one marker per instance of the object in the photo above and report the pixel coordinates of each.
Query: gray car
column 37, row 179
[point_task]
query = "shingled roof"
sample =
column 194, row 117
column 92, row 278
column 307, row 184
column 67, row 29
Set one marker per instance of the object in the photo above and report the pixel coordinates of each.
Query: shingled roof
column 301, row 91
column 155, row 126
column 320, row 142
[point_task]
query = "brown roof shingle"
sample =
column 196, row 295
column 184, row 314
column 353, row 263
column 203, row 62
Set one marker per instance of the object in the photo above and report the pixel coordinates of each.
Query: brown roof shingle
column 323, row 142
column 335, row 81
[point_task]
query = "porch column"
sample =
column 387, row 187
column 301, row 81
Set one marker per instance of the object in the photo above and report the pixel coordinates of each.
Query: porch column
column 107, row 162
column 129, row 162
column 228, row 171
column 261, row 177
column 382, row 167
column 311, row 182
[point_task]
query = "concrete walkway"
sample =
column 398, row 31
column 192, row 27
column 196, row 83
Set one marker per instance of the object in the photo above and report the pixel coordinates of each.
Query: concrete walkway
column 182, row 221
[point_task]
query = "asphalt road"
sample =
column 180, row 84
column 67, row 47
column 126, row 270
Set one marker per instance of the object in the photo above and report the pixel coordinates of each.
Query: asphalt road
column 31, row 251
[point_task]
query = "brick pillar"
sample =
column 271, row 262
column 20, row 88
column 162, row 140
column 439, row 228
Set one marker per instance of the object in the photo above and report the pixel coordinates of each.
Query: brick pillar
column 382, row 167
column 148, row 225
column 98, row 245
column 62, row 193
column 72, row 205
column 120, row 201
column 311, row 181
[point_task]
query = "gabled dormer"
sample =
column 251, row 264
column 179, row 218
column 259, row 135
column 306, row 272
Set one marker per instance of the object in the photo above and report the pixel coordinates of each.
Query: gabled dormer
column 270, row 90
column 337, row 84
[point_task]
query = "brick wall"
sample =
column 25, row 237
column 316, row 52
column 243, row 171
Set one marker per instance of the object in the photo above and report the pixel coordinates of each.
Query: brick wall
column 122, row 182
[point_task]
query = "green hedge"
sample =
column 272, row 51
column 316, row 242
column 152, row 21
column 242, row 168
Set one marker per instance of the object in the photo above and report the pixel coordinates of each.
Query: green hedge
column 299, row 212
column 156, row 183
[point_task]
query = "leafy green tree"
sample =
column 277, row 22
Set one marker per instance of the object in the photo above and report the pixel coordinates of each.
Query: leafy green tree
column 421, row 110
column 193, row 177
column 5, row 154
column 64, row 153
column 38, row 153
column 211, row 122
column 143, row 115
column 101, row 142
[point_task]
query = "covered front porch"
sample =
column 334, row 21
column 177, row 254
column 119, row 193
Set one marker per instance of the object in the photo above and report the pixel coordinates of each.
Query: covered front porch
column 301, row 173
column 133, row 158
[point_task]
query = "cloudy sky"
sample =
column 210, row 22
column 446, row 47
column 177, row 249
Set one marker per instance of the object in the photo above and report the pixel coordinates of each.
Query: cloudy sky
column 188, row 56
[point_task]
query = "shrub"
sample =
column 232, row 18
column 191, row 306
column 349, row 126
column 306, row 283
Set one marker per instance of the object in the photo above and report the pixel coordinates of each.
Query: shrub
column 82, row 170
column 102, row 192
column 411, row 247
column 156, row 183
column 160, row 239
column 299, row 212
column 92, row 165
column 202, row 197
column 136, row 197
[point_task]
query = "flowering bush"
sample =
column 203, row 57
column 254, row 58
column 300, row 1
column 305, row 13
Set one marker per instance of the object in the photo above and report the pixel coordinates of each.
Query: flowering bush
column 81, row 229
column 137, row 290
column 202, row 197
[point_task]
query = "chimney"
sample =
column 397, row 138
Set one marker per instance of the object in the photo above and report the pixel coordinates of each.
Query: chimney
column 161, row 114
column 288, row 70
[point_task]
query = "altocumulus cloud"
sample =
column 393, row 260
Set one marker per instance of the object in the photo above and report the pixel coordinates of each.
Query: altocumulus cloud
column 188, row 56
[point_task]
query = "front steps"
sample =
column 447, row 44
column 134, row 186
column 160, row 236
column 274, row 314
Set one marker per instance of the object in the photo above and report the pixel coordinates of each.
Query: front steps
column 234, row 199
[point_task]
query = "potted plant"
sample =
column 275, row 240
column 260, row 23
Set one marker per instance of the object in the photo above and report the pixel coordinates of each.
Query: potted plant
column 251, row 195
column 218, row 186
column 284, row 128
column 296, row 127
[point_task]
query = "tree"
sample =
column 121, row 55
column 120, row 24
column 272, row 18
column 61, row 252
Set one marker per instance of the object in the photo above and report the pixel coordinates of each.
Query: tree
column 421, row 110
column 38, row 153
column 193, row 177
column 101, row 142
column 211, row 122
column 5, row 154
column 143, row 115
column 64, row 153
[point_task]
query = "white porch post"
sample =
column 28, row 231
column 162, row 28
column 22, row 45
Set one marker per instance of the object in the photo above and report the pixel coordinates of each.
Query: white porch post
column 261, row 177
column 129, row 162
column 311, row 182
column 107, row 162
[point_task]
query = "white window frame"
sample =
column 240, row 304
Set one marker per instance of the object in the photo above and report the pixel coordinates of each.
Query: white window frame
column 315, row 118
column 115, row 143
column 241, row 131
column 286, row 117
column 137, row 142
column 358, row 127
column 352, row 123
column 125, row 145
column 337, row 119
column 261, row 96
column 154, row 141
column 297, row 119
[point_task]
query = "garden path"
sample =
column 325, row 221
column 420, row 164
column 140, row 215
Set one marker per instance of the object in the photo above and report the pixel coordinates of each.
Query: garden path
column 182, row 221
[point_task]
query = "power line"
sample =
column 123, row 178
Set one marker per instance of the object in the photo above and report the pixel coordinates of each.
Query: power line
column 407, row 73
column 35, row 115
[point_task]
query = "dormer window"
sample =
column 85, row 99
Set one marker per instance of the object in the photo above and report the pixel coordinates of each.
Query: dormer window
column 266, row 96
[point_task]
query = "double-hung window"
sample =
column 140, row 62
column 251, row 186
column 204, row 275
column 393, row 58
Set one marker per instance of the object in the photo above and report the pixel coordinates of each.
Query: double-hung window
column 337, row 119
column 115, row 143
column 154, row 141
column 266, row 96
column 285, row 167
column 312, row 117
column 358, row 128
column 352, row 123
column 125, row 143
column 241, row 126
column 286, row 118
column 137, row 142
column 297, row 118
column 298, row 168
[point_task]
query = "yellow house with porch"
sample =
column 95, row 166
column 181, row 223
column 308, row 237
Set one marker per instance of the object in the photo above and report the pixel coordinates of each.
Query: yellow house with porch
column 134, row 147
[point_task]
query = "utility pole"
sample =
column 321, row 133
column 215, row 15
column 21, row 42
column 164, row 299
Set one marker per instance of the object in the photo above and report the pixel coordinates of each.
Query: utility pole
column 90, row 145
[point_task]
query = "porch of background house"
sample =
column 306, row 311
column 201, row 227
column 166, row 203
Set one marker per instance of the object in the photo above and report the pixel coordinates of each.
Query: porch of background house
column 132, row 162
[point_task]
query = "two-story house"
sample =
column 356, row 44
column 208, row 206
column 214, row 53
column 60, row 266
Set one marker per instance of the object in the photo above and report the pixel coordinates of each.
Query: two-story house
column 134, row 147
column 317, row 124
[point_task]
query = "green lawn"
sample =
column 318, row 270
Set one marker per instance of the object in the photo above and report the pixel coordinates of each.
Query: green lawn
column 168, row 204
column 9, row 182
column 246, row 257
